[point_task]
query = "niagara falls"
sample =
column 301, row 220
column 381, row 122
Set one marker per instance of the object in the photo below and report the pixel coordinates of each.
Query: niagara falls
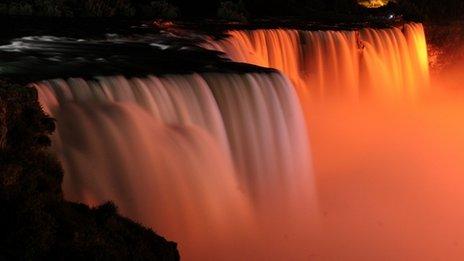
column 231, row 130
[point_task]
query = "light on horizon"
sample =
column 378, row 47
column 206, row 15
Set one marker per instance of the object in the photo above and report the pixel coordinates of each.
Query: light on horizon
column 373, row 3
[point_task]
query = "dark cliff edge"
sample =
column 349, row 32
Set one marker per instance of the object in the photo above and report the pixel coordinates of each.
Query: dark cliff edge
column 36, row 223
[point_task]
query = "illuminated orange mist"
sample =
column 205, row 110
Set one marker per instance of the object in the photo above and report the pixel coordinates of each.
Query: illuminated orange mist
column 221, row 163
column 208, row 160
column 389, row 169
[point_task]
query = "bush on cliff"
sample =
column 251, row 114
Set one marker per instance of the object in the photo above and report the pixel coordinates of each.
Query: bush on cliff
column 36, row 223
column 158, row 9
column 432, row 10
column 232, row 11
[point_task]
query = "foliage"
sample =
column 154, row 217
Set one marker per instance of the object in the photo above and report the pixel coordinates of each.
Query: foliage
column 159, row 9
column 232, row 11
column 235, row 10
column 17, row 8
column 445, row 44
column 432, row 10
column 36, row 222
column 108, row 8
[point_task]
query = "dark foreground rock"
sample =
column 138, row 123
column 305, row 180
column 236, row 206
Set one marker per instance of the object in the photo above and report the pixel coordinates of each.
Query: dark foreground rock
column 36, row 223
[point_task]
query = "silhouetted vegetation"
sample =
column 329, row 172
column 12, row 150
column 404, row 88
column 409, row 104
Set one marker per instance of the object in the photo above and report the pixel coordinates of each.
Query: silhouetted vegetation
column 446, row 45
column 234, row 10
column 431, row 10
column 158, row 9
column 88, row 8
column 36, row 223
column 231, row 11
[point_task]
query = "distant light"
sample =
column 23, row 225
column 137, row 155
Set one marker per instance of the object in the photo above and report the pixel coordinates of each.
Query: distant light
column 391, row 16
column 373, row 3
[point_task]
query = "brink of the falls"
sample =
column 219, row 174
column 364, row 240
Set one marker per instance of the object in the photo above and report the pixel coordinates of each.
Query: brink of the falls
column 385, row 63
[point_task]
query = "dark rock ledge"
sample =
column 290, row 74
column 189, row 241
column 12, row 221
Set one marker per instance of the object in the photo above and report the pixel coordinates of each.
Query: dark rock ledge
column 36, row 223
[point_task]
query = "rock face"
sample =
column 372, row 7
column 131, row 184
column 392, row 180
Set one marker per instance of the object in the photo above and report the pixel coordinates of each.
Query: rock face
column 36, row 222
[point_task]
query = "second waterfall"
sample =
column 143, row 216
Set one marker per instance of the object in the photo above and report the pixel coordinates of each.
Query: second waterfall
column 381, row 63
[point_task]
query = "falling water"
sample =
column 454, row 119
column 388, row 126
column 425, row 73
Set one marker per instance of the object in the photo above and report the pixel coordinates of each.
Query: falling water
column 381, row 62
column 220, row 162
column 200, row 158
column 388, row 173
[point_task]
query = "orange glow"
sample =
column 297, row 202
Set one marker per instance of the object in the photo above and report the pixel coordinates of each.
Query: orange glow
column 204, row 158
column 223, row 163
column 389, row 178
column 390, row 63
column 373, row 3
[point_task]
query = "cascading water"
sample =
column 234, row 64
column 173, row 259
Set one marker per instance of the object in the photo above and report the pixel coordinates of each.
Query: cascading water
column 382, row 62
column 220, row 162
column 200, row 158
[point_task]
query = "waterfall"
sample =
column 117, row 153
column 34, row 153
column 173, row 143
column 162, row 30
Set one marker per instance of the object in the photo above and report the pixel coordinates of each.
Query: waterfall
column 198, row 157
column 325, row 64
column 220, row 162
